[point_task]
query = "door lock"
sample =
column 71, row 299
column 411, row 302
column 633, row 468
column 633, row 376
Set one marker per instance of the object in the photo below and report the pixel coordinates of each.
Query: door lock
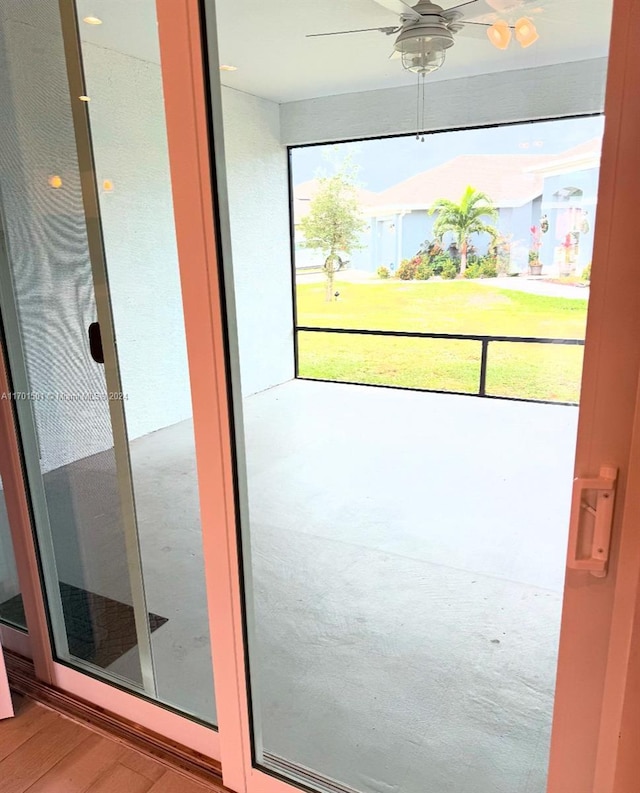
column 591, row 521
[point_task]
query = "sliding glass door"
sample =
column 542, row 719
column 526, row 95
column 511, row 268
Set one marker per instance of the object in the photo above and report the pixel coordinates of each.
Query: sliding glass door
column 92, row 307
column 402, row 531
column 241, row 432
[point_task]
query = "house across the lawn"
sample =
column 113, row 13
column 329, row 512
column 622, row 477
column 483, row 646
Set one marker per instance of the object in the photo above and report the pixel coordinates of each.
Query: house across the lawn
column 556, row 193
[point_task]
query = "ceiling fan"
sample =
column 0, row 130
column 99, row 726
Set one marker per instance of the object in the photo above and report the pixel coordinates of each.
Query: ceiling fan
column 426, row 30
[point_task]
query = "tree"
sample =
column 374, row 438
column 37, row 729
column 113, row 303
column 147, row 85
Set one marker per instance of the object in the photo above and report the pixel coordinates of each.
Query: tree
column 334, row 224
column 464, row 219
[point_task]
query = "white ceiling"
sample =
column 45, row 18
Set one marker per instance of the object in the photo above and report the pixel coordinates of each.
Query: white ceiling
column 266, row 40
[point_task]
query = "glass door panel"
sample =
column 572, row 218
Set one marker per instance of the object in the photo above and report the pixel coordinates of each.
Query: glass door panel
column 123, row 80
column 92, row 302
column 403, row 546
column 49, row 303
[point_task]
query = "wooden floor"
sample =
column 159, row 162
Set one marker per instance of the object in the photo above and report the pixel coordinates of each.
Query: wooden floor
column 42, row 751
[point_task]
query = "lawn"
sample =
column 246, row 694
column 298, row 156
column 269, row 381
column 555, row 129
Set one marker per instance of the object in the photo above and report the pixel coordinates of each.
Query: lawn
column 548, row 372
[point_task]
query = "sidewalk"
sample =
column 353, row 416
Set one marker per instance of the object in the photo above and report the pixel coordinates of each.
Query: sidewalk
column 537, row 286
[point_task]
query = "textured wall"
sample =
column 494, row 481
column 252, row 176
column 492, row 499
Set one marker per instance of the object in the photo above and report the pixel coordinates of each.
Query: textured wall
column 545, row 92
column 130, row 149
column 45, row 235
column 257, row 184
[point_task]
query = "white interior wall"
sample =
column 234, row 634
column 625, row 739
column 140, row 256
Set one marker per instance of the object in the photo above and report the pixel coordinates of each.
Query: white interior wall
column 258, row 191
column 546, row 92
column 131, row 151
column 47, row 239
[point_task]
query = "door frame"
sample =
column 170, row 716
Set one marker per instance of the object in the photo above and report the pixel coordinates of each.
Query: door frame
column 592, row 671
column 599, row 666
column 102, row 295
column 596, row 614
column 6, row 705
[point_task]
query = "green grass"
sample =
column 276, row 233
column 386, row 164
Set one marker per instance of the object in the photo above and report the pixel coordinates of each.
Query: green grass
column 549, row 372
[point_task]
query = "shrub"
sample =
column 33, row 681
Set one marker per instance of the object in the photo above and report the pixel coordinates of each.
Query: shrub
column 424, row 270
column 501, row 251
column 488, row 267
column 473, row 270
column 439, row 261
column 449, row 270
column 383, row 272
column 586, row 273
column 485, row 267
column 407, row 269
column 418, row 267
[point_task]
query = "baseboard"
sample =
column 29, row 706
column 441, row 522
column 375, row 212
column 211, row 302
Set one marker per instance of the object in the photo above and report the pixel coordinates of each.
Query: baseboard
column 179, row 758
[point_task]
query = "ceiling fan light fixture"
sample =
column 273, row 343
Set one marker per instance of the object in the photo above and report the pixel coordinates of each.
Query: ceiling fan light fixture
column 423, row 47
column 423, row 63
column 500, row 34
column 526, row 33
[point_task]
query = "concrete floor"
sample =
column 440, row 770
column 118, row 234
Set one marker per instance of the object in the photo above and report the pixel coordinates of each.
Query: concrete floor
column 408, row 559
column 407, row 556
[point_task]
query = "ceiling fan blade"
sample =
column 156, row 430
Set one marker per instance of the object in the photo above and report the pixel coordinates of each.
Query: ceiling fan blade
column 511, row 7
column 447, row 11
column 387, row 31
column 400, row 8
column 473, row 30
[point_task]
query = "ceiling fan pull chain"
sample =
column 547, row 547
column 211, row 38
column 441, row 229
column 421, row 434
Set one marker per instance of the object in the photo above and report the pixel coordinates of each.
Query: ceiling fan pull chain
column 418, row 108
column 424, row 122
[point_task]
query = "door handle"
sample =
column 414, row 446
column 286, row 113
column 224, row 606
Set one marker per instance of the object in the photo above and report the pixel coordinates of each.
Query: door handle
column 95, row 342
column 598, row 512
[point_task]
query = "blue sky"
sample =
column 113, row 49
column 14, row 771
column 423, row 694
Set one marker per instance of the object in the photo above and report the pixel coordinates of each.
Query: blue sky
column 383, row 163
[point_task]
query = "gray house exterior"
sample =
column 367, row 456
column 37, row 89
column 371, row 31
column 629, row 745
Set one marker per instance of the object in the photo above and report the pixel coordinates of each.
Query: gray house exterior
column 556, row 194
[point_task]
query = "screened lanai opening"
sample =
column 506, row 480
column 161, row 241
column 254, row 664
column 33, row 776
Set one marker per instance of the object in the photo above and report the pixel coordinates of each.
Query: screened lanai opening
column 460, row 265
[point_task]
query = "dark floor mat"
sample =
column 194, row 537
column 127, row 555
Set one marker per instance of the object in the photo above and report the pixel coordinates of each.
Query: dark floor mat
column 99, row 630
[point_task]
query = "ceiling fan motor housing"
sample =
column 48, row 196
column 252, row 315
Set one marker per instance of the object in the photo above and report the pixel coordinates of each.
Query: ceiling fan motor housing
column 429, row 34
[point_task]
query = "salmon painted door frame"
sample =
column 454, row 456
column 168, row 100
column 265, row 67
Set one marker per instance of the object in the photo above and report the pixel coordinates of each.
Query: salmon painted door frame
column 592, row 671
column 598, row 668
column 598, row 614
column 6, row 706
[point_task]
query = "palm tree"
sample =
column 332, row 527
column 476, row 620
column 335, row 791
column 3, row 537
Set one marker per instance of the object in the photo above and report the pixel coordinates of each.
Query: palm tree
column 464, row 219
